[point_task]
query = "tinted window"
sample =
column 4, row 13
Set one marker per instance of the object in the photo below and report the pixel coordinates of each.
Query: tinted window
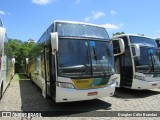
column 143, row 41
column 81, row 30
column 7, row 48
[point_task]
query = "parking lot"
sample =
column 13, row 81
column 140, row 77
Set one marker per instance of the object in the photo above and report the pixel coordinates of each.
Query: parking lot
column 23, row 95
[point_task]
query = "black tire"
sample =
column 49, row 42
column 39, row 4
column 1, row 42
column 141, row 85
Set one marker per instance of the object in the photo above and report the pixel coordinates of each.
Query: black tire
column 48, row 97
column 30, row 77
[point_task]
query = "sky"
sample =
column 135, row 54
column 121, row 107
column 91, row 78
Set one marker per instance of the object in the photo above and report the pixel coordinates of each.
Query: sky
column 28, row 19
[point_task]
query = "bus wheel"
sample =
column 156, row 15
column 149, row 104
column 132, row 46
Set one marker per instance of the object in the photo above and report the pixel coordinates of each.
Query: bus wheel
column 47, row 96
column 1, row 91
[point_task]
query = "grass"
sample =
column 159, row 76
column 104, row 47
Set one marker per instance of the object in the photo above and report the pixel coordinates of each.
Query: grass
column 22, row 76
column 19, row 76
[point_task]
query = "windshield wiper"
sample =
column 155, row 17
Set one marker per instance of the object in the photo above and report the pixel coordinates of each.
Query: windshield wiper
column 85, row 67
column 152, row 63
column 98, row 62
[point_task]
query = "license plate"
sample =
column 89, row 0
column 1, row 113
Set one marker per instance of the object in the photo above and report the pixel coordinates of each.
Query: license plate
column 155, row 84
column 92, row 93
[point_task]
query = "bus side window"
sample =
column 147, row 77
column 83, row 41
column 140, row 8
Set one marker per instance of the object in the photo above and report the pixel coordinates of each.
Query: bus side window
column 0, row 60
column 42, row 63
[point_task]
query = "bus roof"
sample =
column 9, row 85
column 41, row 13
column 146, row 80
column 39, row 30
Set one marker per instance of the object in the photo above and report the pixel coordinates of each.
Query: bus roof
column 122, row 35
column 74, row 22
column 144, row 41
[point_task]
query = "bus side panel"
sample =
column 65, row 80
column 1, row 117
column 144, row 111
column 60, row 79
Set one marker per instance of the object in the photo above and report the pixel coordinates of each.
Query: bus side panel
column 5, row 72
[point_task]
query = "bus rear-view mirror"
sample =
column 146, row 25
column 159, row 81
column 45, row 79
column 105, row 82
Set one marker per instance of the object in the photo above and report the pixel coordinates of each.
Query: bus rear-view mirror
column 27, row 60
column 118, row 46
column 54, row 41
column 13, row 60
column 136, row 50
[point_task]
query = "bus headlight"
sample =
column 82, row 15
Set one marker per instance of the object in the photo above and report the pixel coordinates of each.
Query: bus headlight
column 112, row 81
column 65, row 85
column 139, row 77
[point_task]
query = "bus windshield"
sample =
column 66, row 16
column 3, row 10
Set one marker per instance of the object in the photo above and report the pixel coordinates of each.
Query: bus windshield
column 81, row 30
column 149, row 60
column 84, row 58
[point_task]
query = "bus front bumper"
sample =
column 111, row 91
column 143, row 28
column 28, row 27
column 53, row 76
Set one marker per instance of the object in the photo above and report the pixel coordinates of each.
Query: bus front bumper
column 142, row 84
column 69, row 95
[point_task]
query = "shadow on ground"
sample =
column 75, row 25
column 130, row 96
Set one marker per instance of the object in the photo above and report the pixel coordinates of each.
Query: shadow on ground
column 32, row 100
column 133, row 94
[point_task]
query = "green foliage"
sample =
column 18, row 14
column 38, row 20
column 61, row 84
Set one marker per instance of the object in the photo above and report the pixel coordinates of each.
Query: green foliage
column 117, row 33
column 20, row 51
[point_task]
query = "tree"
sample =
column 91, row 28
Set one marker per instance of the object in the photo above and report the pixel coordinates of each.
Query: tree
column 20, row 52
column 117, row 33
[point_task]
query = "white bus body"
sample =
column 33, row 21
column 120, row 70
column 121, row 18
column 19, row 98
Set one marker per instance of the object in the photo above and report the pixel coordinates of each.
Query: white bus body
column 6, row 61
column 73, row 61
column 139, row 66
